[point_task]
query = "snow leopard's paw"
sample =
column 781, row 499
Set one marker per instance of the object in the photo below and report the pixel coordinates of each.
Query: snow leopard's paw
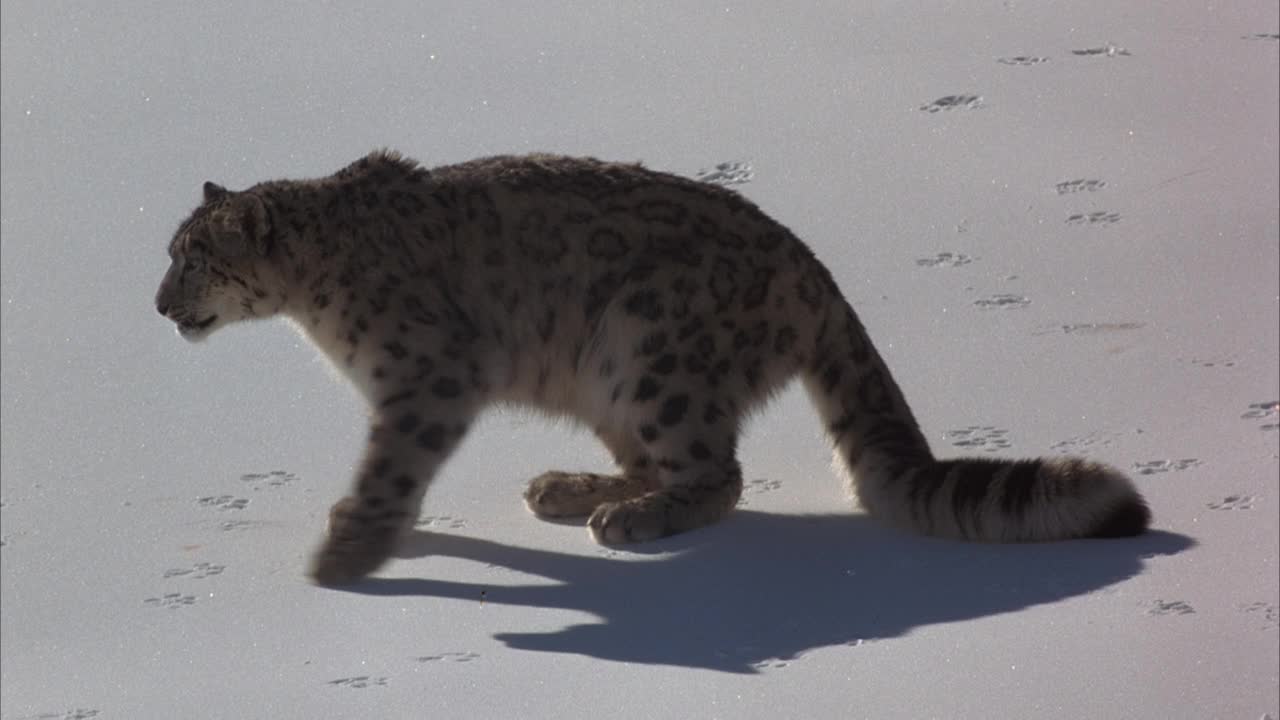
column 357, row 545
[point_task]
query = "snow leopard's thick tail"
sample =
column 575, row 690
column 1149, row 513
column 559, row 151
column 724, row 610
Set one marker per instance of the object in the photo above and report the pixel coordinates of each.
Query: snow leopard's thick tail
column 897, row 479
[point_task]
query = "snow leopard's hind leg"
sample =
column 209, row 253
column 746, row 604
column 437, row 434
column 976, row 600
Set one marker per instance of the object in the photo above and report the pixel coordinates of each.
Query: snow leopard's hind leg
column 557, row 494
column 696, row 463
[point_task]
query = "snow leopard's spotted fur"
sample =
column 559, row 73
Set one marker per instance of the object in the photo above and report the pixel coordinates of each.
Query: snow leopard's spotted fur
column 656, row 310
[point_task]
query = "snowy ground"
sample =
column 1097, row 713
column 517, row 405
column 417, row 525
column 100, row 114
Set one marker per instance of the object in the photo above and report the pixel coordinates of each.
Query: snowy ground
column 1058, row 220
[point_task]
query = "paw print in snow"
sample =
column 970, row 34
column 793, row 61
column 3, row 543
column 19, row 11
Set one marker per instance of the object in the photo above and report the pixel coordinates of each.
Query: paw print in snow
column 275, row 478
column 173, row 601
column 1264, row 411
column 239, row 525
column 1003, row 301
column 1101, row 217
column 443, row 522
column 953, row 102
column 1171, row 607
column 758, row 487
column 1151, row 467
column 359, row 682
column 979, row 437
column 774, row 663
column 223, row 502
column 448, row 657
column 945, row 259
column 1220, row 361
column 1022, row 60
column 199, row 571
column 727, row 173
column 1084, row 444
column 1232, row 502
column 1107, row 50
column 1075, row 186
column 1100, row 328
column 761, row 485
column 1267, row 612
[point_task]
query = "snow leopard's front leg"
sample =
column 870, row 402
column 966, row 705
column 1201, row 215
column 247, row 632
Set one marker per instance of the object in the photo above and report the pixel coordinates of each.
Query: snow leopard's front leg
column 407, row 444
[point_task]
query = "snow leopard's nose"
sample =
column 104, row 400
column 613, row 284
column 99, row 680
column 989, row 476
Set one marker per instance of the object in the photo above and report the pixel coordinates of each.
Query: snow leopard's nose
column 165, row 293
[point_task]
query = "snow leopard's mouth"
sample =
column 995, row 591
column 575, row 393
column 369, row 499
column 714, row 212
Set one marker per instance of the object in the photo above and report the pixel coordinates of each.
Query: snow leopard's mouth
column 195, row 330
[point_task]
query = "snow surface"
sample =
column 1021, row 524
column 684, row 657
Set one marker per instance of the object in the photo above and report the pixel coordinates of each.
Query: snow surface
column 1058, row 220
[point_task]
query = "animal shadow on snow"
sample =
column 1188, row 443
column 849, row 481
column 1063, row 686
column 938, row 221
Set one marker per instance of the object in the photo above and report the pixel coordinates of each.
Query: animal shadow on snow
column 759, row 586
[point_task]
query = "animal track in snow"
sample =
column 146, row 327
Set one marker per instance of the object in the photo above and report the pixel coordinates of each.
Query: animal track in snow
column 945, row 259
column 239, row 525
column 222, row 502
column 1100, row 328
column 1022, row 60
column 1101, row 217
column 979, row 437
column 1075, row 186
column 1232, row 502
column 1269, row 410
column 771, row 664
column 444, row 522
column 1151, row 467
column 727, row 173
column 1107, row 50
column 173, row 601
column 1089, row 328
column 448, row 657
column 1171, row 607
column 953, row 102
column 359, row 682
column 1083, row 444
column 199, row 571
column 759, row 486
column 275, row 478
column 1268, row 612
column 1005, row 301
column 1225, row 362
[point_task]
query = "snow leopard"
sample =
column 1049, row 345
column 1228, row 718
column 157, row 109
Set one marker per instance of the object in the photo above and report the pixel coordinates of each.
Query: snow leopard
column 655, row 310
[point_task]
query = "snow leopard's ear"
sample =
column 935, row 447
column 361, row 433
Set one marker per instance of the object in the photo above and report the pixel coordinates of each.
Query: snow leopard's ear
column 213, row 192
column 240, row 225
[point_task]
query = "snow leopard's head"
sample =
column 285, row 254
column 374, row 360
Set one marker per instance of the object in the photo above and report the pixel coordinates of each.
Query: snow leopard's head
column 220, row 265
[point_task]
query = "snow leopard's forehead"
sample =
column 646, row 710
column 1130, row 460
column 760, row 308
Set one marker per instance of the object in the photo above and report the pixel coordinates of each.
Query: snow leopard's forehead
column 192, row 232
